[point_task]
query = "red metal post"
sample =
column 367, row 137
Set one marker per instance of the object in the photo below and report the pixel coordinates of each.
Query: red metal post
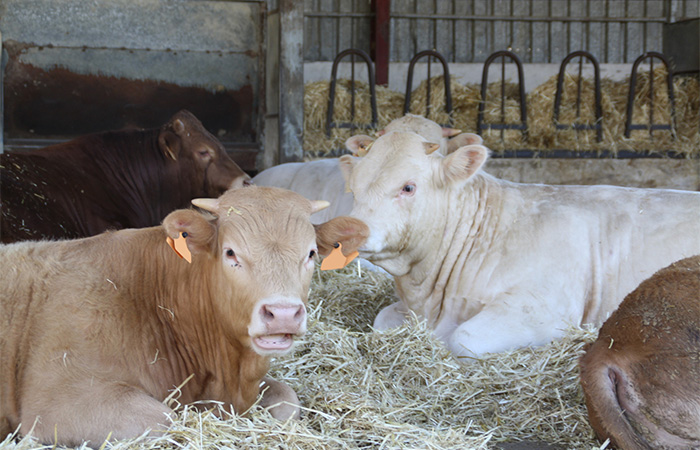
column 380, row 40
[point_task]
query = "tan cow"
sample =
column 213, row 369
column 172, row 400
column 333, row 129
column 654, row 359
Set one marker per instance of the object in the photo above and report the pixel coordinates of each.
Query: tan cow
column 96, row 332
column 641, row 377
column 494, row 265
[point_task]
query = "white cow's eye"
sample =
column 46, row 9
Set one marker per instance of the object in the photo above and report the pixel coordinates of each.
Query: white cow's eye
column 312, row 253
column 408, row 189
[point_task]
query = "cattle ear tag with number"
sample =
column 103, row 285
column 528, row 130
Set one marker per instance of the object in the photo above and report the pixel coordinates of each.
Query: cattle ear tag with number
column 180, row 246
column 336, row 259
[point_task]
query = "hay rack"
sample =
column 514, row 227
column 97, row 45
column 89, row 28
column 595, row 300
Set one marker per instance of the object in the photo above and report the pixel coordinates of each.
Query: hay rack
column 352, row 124
column 650, row 125
column 481, row 125
column 598, row 124
column 446, row 75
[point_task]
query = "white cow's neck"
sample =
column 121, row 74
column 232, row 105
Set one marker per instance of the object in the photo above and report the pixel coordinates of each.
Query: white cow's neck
column 462, row 220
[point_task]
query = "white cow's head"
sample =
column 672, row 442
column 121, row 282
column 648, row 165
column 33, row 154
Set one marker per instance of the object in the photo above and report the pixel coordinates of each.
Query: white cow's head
column 449, row 139
column 403, row 190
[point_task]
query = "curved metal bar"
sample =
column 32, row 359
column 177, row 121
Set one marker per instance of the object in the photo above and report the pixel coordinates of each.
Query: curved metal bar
column 651, row 126
column 331, row 96
column 480, row 124
column 448, row 90
column 598, row 125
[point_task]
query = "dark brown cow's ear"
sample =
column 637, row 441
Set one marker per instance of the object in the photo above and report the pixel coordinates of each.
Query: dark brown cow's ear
column 350, row 232
column 199, row 233
column 170, row 140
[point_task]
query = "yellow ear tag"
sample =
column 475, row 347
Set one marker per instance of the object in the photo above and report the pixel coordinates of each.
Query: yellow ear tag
column 336, row 259
column 180, row 246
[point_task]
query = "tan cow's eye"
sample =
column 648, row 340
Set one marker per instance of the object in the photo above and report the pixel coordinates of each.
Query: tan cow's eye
column 230, row 253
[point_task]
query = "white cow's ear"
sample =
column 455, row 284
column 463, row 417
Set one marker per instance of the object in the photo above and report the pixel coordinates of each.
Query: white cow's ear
column 450, row 132
column 462, row 140
column 359, row 144
column 463, row 163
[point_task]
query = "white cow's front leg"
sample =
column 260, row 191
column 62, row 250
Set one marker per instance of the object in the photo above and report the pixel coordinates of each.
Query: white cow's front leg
column 392, row 316
column 493, row 332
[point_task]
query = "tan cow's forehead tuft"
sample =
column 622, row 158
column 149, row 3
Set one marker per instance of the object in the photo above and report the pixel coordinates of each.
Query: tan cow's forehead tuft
column 235, row 201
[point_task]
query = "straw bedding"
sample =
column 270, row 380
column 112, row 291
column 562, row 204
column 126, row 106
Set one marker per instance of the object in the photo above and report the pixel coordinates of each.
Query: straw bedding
column 401, row 389
column 542, row 134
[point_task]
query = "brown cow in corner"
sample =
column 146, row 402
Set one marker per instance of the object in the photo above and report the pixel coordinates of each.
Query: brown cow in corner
column 112, row 180
column 95, row 333
column 641, row 377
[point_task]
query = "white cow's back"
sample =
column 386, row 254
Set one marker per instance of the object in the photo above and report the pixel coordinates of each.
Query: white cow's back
column 315, row 180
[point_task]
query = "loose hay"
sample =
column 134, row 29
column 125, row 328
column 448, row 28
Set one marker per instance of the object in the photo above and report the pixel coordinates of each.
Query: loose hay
column 399, row 389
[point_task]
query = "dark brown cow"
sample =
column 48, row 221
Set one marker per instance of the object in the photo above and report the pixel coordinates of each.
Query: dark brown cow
column 641, row 377
column 112, row 180
column 95, row 333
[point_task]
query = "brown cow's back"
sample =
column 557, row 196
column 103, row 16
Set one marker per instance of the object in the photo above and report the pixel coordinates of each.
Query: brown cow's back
column 112, row 180
column 641, row 376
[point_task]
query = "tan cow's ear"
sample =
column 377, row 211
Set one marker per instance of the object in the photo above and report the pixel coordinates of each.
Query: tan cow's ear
column 463, row 140
column 198, row 232
column 346, row 163
column 463, row 163
column 350, row 232
column 207, row 204
column 359, row 144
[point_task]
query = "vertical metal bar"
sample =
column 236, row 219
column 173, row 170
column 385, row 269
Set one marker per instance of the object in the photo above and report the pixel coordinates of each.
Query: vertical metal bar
column 549, row 32
column 427, row 94
column 578, row 86
column 651, row 97
column 606, row 33
column 352, row 93
column 503, row 95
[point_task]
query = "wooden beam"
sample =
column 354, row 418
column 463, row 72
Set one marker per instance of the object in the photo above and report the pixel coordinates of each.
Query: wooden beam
column 291, row 81
column 380, row 40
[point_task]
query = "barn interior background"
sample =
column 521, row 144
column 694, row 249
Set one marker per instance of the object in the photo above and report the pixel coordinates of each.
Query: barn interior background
column 258, row 76
column 257, row 73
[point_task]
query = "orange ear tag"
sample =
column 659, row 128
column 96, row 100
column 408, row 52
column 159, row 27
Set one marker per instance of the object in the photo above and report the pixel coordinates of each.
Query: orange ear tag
column 336, row 259
column 180, row 247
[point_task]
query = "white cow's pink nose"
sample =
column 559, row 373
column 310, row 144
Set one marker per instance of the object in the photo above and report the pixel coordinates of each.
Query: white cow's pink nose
column 283, row 318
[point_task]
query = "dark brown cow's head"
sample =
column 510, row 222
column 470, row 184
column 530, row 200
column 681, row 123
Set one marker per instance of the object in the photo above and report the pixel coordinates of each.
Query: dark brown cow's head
column 185, row 140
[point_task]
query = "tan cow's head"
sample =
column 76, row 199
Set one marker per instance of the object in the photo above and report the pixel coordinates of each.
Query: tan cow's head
column 404, row 191
column 260, row 251
column 200, row 155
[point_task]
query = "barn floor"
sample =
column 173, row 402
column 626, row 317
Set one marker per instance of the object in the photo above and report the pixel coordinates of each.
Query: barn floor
column 397, row 390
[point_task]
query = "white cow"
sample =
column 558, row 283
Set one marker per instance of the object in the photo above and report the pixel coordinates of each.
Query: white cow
column 322, row 180
column 494, row 265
